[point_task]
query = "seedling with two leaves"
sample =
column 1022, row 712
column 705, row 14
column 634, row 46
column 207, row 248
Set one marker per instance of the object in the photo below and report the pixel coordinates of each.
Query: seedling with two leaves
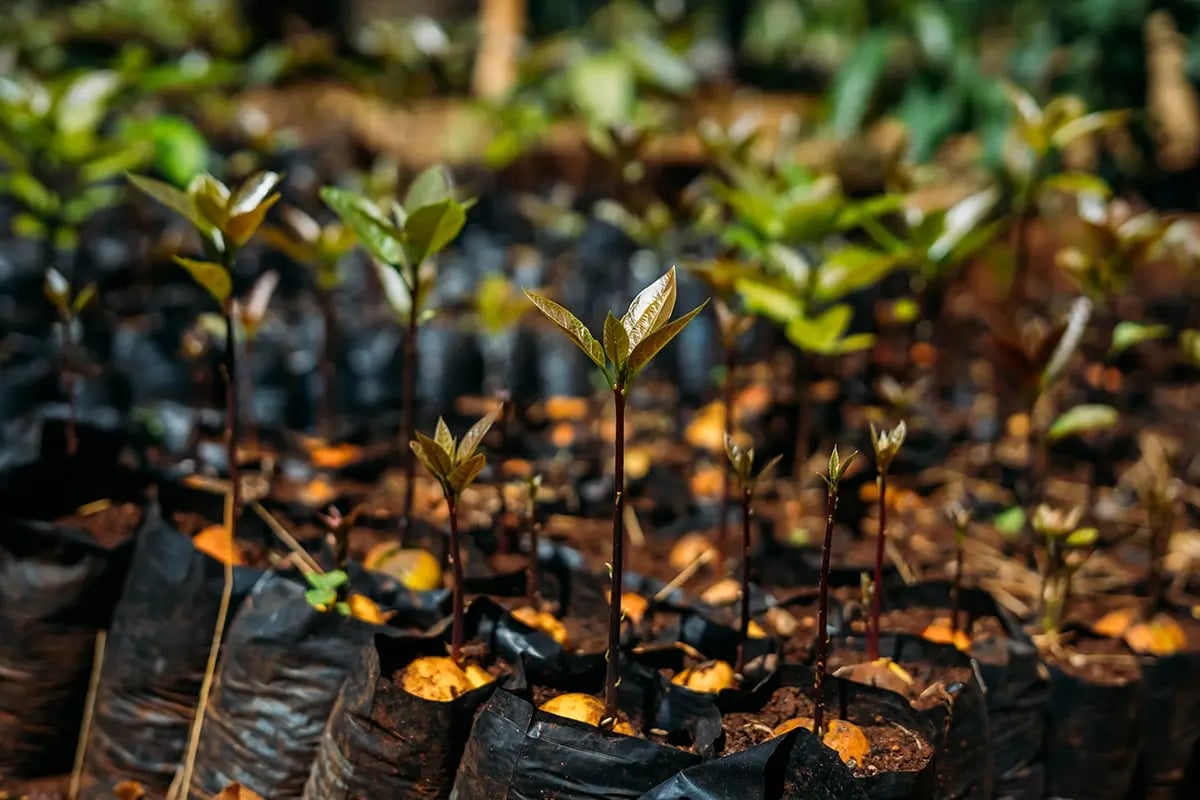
column 1067, row 547
column 741, row 462
column 403, row 238
column 629, row 344
column 69, row 306
column 455, row 465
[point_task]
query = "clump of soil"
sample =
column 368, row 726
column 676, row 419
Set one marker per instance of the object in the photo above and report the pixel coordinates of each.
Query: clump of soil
column 1095, row 660
column 109, row 525
column 893, row 748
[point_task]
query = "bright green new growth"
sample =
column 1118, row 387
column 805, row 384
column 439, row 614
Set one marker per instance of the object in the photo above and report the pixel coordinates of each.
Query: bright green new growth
column 324, row 588
column 632, row 341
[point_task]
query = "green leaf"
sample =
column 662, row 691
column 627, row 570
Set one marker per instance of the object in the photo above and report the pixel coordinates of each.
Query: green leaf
column 960, row 220
column 429, row 188
column 854, row 87
column 85, row 296
column 213, row 277
column 211, row 199
column 174, row 199
column 31, row 193
column 656, row 341
column 616, row 341
column 1083, row 419
column 822, row 333
column 320, row 597
column 81, row 107
column 650, row 310
column 1010, row 521
column 1127, row 334
column 466, row 472
column 603, row 87
column 241, row 227
column 1079, row 183
column 432, row 456
column 657, row 64
column 180, row 150
column 769, row 300
column 1088, row 124
column 1084, row 537
column 381, row 238
column 850, row 269
column 253, row 193
column 472, row 438
column 427, row 230
column 444, row 439
column 571, row 326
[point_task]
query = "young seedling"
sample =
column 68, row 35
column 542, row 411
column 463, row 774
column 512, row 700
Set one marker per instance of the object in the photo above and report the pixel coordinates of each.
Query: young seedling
column 833, row 477
column 741, row 462
column 328, row 590
column 250, row 316
column 961, row 517
column 886, row 444
column 321, row 248
column 58, row 291
column 1157, row 491
column 630, row 343
column 403, row 238
column 1067, row 548
column 456, row 465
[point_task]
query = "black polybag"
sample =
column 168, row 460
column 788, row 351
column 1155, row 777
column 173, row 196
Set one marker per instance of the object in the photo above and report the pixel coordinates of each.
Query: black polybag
column 58, row 587
column 382, row 741
column 794, row 765
column 155, row 661
column 1015, row 691
column 516, row 752
column 958, row 714
column 281, row 668
column 1093, row 733
column 1170, row 720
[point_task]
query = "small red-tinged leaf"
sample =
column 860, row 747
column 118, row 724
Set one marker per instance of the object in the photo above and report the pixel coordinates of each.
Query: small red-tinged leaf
column 650, row 310
column 85, row 296
column 253, row 193
column 444, row 439
column 571, row 326
column 616, row 341
column 241, row 227
column 304, row 226
column 768, row 468
column 652, row 344
column 213, row 277
column 211, row 199
column 466, row 472
column 178, row 201
column 254, row 310
column 435, row 459
column 129, row 790
column 472, row 438
column 289, row 243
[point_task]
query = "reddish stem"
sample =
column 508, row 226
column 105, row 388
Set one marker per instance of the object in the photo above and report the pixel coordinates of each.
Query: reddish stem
column 456, row 631
column 613, row 671
column 741, row 653
column 532, row 576
column 231, row 418
column 877, row 586
column 823, row 619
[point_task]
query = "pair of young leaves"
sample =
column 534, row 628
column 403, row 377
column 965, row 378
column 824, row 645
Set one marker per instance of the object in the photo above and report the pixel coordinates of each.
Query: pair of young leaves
column 454, row 463
column 629, row 343
column 226, row 219
column 741, row 459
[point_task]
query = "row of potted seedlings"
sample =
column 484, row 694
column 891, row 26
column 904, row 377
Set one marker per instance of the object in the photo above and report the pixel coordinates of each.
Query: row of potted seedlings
column 204, row 632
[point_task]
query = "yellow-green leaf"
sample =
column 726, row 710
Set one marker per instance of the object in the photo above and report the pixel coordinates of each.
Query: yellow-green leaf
column 466, row 472
column 472, row 438
column 211, row 199
column 430, row 187
column 650, row 310
column 435, row 459
column 616, row 341
column 444, row 439
column 240, row 227
column 652, row 344
column 213, row 277
column 1127, row 334
column 427, row 230
column 253, row 193
column 85, row 296
column 567, row 322
column 1088, row 124
column 174, row 199
column 1083, row 419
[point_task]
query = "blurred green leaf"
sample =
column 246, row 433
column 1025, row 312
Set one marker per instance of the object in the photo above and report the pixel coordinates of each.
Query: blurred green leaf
column 1126, row 334
column 428, row 229
column 213, row 277
column 1083, row 419
column 856, row 81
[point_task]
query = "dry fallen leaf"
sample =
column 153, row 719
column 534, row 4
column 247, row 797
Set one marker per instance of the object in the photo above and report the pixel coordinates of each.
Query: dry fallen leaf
column 235, row 791
column 129, row 790
column 216, row 542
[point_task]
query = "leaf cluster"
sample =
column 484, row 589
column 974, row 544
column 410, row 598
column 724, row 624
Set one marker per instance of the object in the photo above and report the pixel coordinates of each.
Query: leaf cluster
column 886, row 444
column 631, row 342
column 58, row 291
column 836, row 469
column 741, row 459
column 316, row 246
column 324, row 589
column 455, row 464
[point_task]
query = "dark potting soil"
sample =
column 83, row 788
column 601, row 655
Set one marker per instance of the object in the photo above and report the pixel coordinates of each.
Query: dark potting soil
column 53, row 787
column 916, row 619
column 1104, row 662
column 893, row 749
column 108, row 526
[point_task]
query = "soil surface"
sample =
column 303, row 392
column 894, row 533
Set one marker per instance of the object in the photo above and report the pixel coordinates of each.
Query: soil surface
column 50, row 788
column 109, row 526
column 893, row 749
column 916, row 619
column 1105, row 662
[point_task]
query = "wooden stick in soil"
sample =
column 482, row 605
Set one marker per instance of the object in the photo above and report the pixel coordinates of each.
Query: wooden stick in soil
column 409, row 401
column 456, row 631
column 877, row 583
column 823, row 619
column 612, row 656
column 89, row 711
column 745, row 593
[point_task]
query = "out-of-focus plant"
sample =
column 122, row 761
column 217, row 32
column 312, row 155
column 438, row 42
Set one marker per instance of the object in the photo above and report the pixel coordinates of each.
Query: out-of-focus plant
column 60, row 159
column 833, row 478
column 499, row 306
column 69, row 305
column 321, row 248
column 1067, row 547
column 886, row 444
column 404, row 238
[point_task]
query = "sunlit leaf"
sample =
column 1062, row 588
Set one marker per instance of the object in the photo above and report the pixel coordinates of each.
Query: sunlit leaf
column 603, row 87
column 81, row 107
column 1087, row 125
column 254, row 310
column 616, row 341
column 1083, row 419
column 472, row 438
column 432, row 186
column 241, row 227
column 1127, row 334
column 571, row 326
column 849, row 269
column 466, row 472
column 656, row 341
column 57, row 290
column 85, row 296
column 770, row 301
column 444, row 439
column 1084, row 537
column 961, row 219
column 381, row 238
column 211, row 198
column 213, row 277
column 253, row 192
column 436, row 460
column 429, row 229
column 174, row 199
column 1078, row 183
column 651, row 309
column 820, row 334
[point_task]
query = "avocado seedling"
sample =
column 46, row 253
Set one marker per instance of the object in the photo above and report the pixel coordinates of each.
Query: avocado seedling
column 1067, row 548
column 69, row 306
column 629, row 344
column 741, row 462
column 321, row 248
column 832, row 477
column 455, row 465
column 886, row 444
column 403, row 238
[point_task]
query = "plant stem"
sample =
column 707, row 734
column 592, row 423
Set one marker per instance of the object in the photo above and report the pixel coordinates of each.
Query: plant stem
column 532, row 576
column 231, row 415
column 727, row 478
column 745, row 595
column 956, row 585
column 409, row 400
column 877, row 585
column 613, row 672
column 823, row 618
column 456, row 631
